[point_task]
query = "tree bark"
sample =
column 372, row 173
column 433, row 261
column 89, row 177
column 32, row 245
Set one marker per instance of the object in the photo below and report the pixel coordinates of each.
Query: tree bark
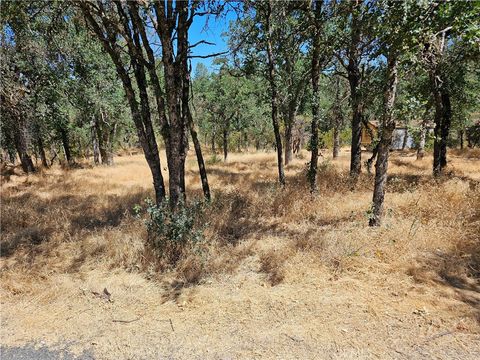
column 106, row 134
column 357, row 114
column 372, row 158
column 337, row 120
column 225, row 144
column 66, row 144
column 274, row 94
column 193, row 133
column 214, row 150
column 288, row 136
column 446, row 122
column 175, row 75
column 354, row 77
column 21, row 144
column 200, row 161
column 315, row 77
column 388, row 126
column 336, row 142
column 41, row 151
column 443, row 117
column 433, row 54
column 94, row 137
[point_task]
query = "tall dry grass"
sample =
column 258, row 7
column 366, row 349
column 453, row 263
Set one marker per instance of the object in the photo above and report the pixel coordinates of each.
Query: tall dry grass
column 270, row 259
column 74, row 221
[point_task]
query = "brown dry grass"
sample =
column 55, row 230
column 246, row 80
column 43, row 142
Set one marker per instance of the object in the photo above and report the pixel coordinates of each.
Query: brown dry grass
column 281, row 275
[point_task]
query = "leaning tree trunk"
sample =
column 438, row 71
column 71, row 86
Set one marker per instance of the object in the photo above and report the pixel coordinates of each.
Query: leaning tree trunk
column 388, row 127
column 194, row 135
column 372, row 158
column 274, row 96
column 201, row 163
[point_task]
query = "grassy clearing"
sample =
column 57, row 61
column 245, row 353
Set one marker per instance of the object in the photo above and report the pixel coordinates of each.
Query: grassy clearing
column 281, row 274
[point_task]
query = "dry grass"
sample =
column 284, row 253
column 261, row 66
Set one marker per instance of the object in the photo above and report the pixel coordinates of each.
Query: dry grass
column 281, row 274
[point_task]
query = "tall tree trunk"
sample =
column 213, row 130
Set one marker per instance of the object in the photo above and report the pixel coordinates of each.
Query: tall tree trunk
column 315, row 75
column 225, row 144
column 274, row 94
column 441, row 99
column 337, row 119
column 21, row 144
column 388, row 126
column 193, row 133
column 94, row 137
column 200, row 161
column 357, row 114
column 354, row 77
column 443, row 114
column 106, row 134
column 175, row 75
column 461, row 133
column 289, row 137
column 142, row 120
column 66, row 144
column 336, row 141
column 41, row 151
column 446, row 122
column 214, row 150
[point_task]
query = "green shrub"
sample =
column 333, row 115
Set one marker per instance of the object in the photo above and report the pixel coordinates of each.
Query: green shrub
column 170, row 233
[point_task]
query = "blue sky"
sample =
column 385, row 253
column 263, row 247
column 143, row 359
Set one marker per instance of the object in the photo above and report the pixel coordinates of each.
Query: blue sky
column 209, row 28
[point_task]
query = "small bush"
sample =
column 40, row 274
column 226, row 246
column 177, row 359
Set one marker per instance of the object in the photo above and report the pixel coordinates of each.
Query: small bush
column 171, row 233
column 214, row 159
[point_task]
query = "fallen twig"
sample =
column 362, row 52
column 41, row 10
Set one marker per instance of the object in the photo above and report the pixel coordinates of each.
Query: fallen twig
column 293, row 338
column 436, row 336
column 126, row 321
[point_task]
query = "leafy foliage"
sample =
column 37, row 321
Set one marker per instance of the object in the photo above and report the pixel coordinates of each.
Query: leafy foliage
column 171, row 232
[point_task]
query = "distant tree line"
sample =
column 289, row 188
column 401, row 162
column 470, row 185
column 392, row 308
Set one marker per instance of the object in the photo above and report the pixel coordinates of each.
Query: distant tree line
column 81, row 79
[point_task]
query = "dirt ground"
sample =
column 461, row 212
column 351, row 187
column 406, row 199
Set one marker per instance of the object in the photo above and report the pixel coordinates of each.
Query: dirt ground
column 284, row 275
